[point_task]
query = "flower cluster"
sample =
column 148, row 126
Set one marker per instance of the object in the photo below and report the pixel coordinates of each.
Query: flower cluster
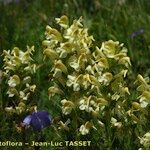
column 19, row 66
column 144, row 89
column 80, row 72
column 139, row 110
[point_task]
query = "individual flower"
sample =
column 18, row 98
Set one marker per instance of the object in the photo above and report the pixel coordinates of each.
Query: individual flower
column 125, row 61
column 72, row 81
column 59, row 68
column 73, row 30
column 67, row 106
column 105, row 78
column 11, row 92
column 84, row 129
column 101, row 64
column 9, row 109
column 23, row 95
column 144, row 99
column 92, row 104
column 143, row 83
column 90, row 69
column 14, row 81
column 86, row 81
column 32, row 88
column 64, row 126
column 37, row 120
column 145, row 140
column 115, row 96
column 53, row 34
column 115, row 123
column 54, row 90
column 65, row 49
column 62, row 21
column 50, row 53
column 27, row 79
column 110, row 48
column 84, row 104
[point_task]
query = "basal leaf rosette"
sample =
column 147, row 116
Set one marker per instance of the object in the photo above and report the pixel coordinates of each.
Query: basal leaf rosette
column 18, row 69
column 87, row 79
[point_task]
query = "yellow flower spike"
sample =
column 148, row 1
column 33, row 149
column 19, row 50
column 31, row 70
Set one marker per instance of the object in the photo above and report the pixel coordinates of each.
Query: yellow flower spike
column 61, row 66
column 14, row 81
column 49, row 53
column 62, row 21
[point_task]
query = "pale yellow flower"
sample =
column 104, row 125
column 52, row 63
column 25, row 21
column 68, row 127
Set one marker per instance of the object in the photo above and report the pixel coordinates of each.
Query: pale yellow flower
column 14, row 81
